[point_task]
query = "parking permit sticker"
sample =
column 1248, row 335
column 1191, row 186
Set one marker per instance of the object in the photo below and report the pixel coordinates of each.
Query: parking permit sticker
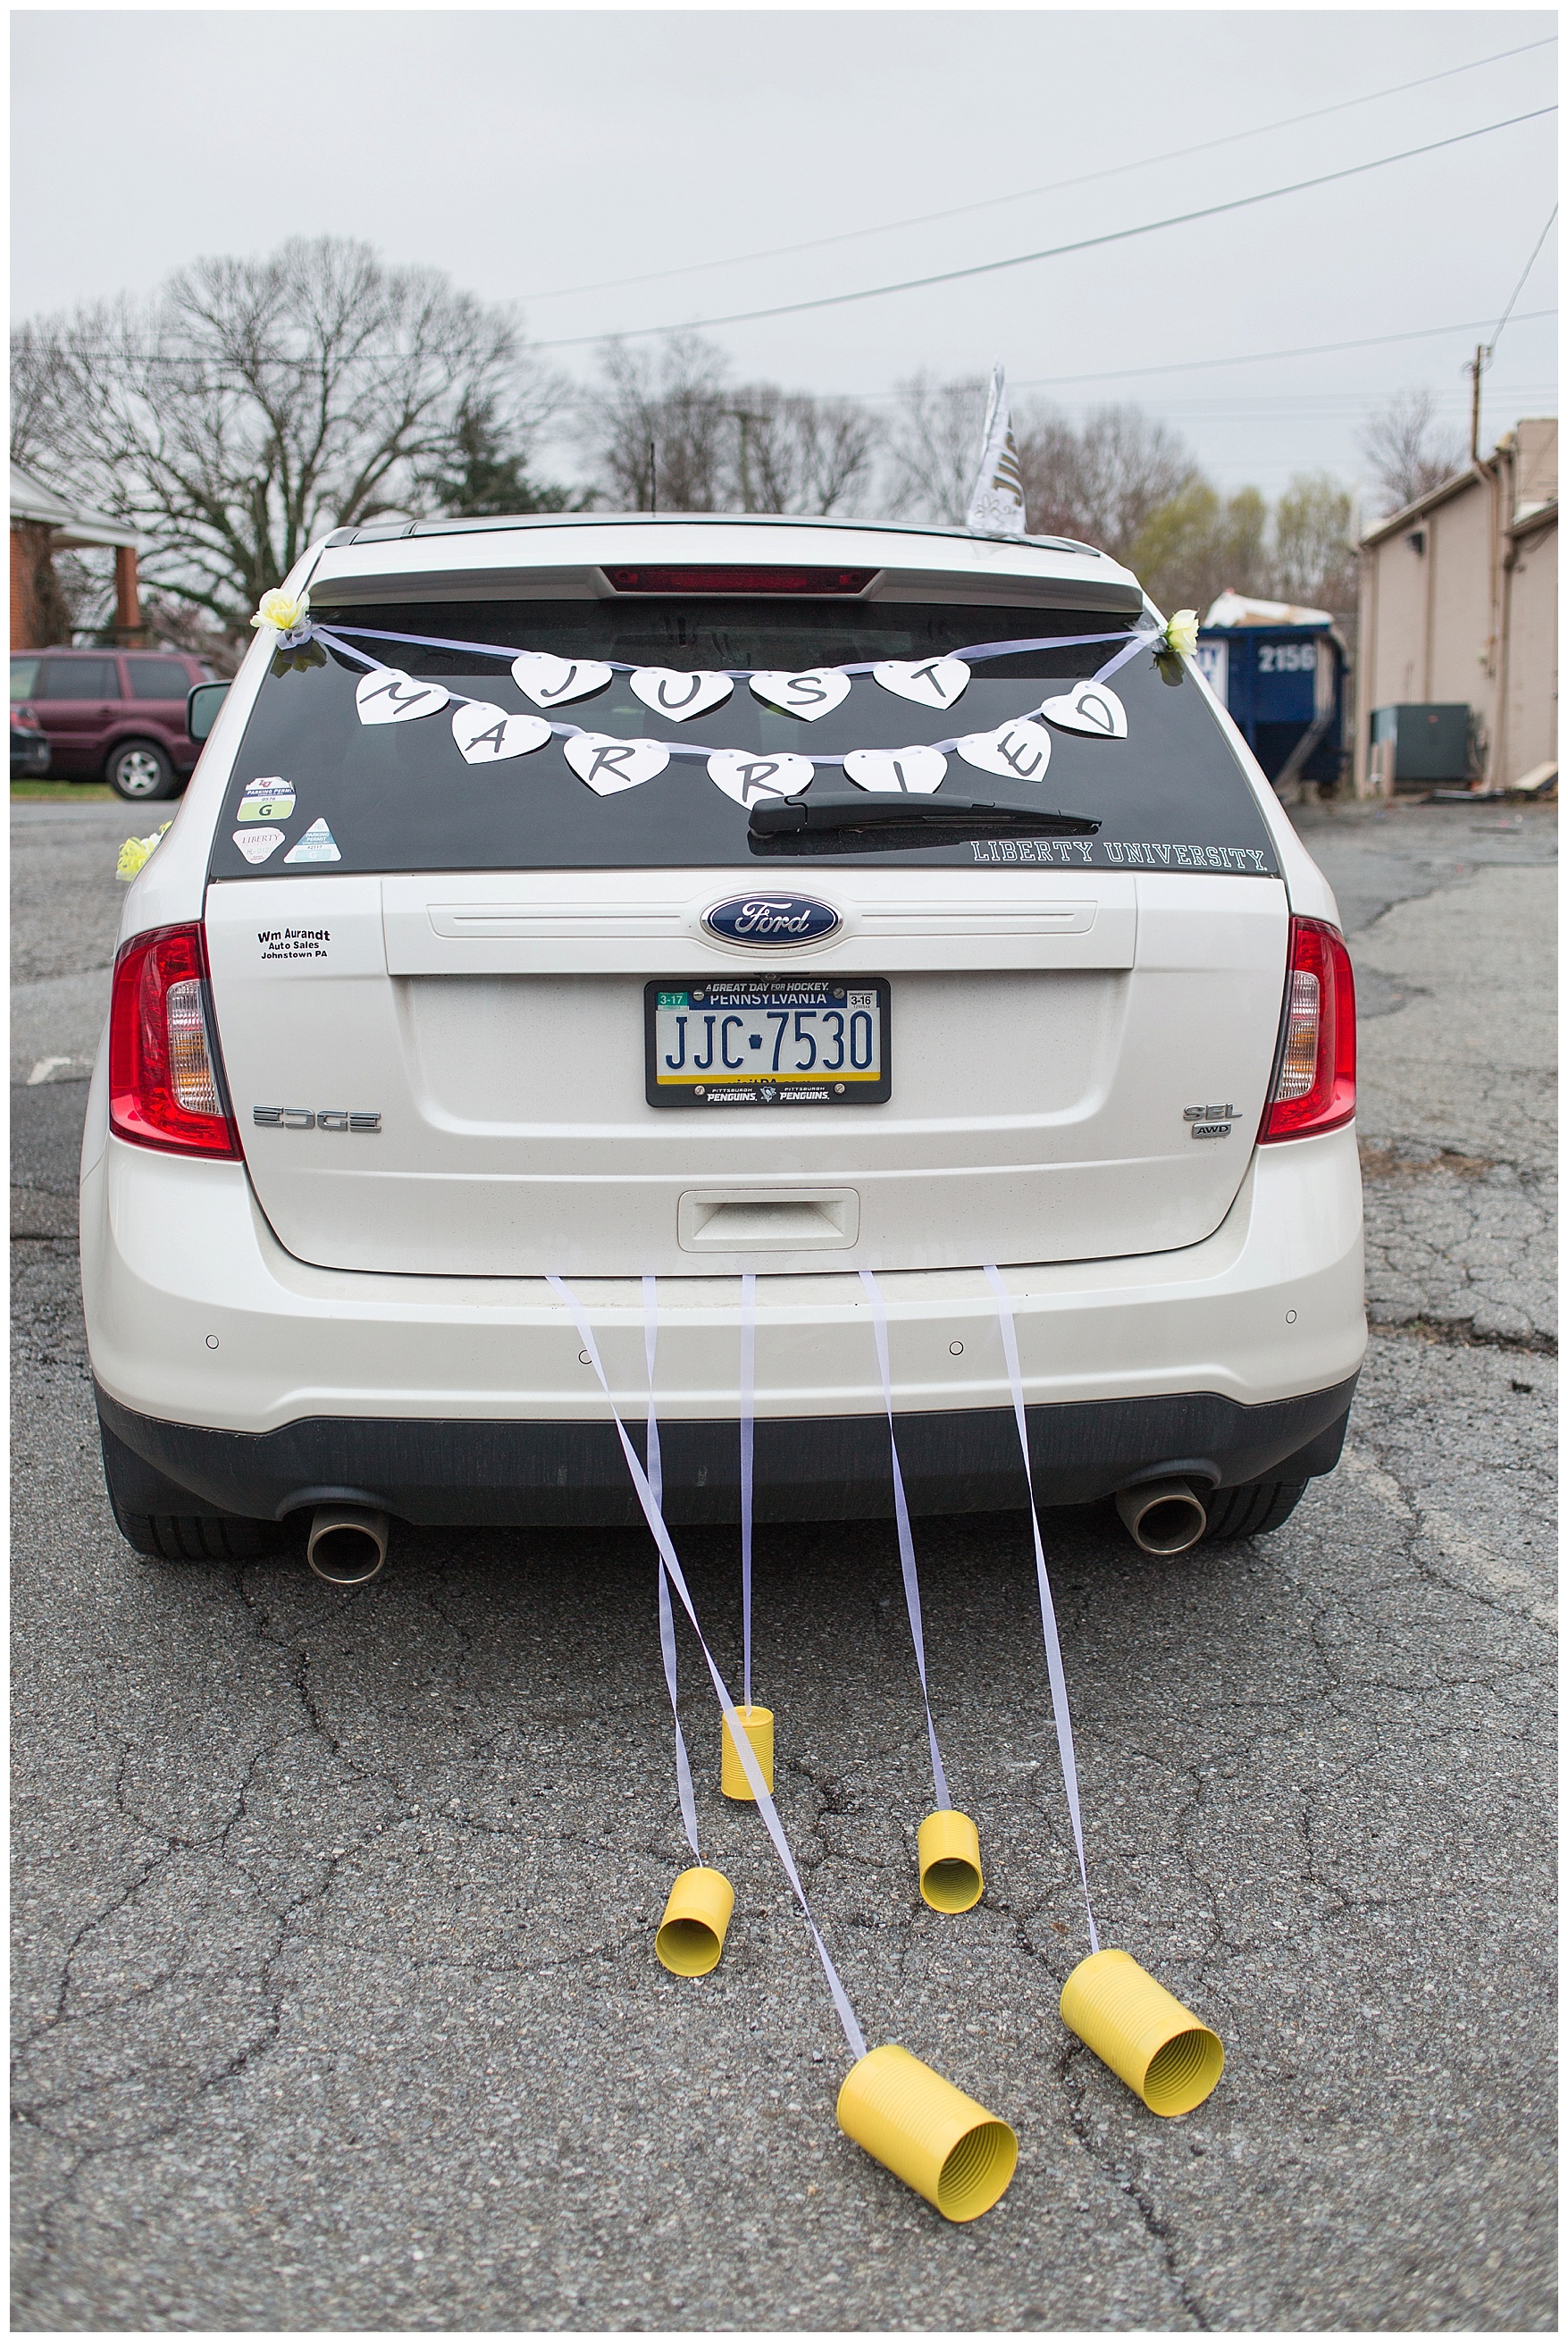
column 269, row 799
column 255, row 844
column 318, row 845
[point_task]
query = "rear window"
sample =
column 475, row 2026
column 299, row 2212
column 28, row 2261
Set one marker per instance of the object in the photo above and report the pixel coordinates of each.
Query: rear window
column 329, row 792
column 158, row 678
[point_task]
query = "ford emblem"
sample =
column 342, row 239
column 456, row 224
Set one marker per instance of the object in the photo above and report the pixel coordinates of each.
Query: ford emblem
column 770, row 919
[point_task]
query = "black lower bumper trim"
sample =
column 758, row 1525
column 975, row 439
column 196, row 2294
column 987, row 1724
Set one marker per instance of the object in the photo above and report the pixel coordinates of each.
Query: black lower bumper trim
column 835, row 1468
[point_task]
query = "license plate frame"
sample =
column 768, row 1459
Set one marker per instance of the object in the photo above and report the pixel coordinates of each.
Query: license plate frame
column 813, row 996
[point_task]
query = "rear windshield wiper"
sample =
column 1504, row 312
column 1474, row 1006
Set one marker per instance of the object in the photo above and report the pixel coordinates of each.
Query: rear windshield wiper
column 905, row 820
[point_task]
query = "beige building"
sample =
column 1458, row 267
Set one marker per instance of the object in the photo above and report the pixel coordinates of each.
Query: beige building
column 1459, row 605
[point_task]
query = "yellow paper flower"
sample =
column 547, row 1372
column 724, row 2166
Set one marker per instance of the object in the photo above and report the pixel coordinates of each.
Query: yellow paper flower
column 138, row 852
column 1181, row 633
column 282, row 612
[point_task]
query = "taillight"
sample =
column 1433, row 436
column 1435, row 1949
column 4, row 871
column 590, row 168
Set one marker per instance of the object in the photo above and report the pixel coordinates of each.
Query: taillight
column 165, row 1086
column 1314, row 1080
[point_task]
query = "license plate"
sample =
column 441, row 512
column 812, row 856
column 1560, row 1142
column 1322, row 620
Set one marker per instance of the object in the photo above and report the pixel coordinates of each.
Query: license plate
column 767, row 1040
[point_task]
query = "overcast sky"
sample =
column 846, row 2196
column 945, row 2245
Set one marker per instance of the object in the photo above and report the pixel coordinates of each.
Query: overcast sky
column 531, row 153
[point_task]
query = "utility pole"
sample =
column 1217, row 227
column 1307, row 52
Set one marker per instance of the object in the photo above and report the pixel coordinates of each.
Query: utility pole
column 746, row 422
column 1482, row 354
column 653, row 476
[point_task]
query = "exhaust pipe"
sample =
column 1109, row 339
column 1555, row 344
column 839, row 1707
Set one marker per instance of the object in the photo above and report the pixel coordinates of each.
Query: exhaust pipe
column 347, row 1544
column 1163, row 1517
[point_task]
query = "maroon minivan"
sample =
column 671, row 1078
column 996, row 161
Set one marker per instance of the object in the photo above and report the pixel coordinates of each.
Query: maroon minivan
column 113, row 715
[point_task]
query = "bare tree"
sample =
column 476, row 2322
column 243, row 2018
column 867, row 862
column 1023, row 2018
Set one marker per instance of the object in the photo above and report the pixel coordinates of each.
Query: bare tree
column 668, row 428
column 1410, row 454
column 933, row 449
column 655, row 429
column 1102, row 482
column 253, row 404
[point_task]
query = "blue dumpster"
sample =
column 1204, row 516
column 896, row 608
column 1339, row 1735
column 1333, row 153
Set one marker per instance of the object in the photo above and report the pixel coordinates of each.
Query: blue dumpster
column 1285, row 685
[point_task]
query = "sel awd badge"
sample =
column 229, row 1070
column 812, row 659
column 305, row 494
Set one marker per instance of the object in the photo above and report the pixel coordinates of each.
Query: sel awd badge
column 772, row 919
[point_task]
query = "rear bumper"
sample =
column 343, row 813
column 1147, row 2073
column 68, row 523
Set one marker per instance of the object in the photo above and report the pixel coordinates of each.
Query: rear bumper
column 262, row 1385
column 835, row 1468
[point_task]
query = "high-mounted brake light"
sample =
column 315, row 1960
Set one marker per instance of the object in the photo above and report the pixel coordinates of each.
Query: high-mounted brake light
column 740, row 581
column 165, row 1084
column 1314, row 1080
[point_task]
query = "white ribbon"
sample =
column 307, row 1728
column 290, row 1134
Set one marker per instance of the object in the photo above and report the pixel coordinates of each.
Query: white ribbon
column 748, row 1426
column 1053, row 1667
column 905, row 1539
column 666, row 1616
column 653, row 1515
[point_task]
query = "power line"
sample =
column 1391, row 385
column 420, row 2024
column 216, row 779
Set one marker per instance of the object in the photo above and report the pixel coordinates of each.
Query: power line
column 1024, row 195
column 1522, row 282
column 1051, row 252
column 1249, row 357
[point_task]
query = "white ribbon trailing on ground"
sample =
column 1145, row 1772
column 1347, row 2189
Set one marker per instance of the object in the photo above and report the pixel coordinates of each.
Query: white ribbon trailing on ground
column 748, row 1477
column 653, row 1513
column 666, row 1616
column 905, row 1539
column 1054, row 1667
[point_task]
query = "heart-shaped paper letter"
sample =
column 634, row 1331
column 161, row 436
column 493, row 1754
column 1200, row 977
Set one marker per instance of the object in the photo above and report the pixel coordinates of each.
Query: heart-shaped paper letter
column 747, row 777
column 815, row 691
column 933, row 683
column 1022, row 749
column 608, row 764
column 550, row 682
column 893, row 771
column 1089, row 707
column 668, row 692
column 387, row 695
column 486, row 735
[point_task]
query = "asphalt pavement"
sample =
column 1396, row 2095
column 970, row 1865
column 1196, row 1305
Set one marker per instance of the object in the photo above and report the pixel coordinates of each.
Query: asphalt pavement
column 335, row 2000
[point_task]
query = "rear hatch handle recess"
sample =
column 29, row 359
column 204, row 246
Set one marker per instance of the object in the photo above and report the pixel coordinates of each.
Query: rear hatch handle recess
column 935, row 820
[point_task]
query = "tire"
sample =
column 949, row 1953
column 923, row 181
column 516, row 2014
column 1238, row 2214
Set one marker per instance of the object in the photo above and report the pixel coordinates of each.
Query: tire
column 1253, row 1509
column 157, row 1517
column 175, row 1537
column 140, row 772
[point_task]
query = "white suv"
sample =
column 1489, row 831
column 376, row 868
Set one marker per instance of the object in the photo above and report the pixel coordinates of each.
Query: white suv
column 686, row 898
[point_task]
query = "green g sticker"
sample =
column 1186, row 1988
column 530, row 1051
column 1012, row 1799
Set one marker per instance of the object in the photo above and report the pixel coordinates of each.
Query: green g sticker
column 269, row 799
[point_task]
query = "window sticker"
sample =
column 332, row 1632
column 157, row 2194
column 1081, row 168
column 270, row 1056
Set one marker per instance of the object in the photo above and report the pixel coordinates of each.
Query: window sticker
column 608, row 765
column 896, row 771
column 1092, row 707
column 487, row 735
column 387, row 695
column 318, row 844
column 255, row 844
column 745, row 778
column 268, row 799
column 930, row 683
column 1020, row 751
column 550, row 682
column 680, row 696
column 814, row 691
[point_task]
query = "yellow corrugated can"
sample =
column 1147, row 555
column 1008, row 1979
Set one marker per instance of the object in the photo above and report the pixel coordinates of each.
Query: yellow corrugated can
column 948, row 1849
column 692, row 1932
column 931, row 2135
column 1160, row 2049
column 757, row 1724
